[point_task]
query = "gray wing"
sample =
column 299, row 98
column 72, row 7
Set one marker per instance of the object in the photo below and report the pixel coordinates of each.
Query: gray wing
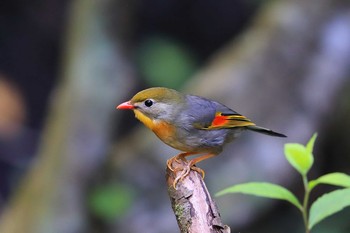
column 208, row 114
column 200, row 112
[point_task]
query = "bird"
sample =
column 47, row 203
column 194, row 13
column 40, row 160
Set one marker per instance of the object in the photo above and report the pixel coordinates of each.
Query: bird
column 191, row 124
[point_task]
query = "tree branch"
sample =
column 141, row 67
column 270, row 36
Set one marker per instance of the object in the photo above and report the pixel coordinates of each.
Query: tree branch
column 192, row 204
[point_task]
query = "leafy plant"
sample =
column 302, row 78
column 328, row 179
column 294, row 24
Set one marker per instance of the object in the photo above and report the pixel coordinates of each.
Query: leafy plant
column 301, row 158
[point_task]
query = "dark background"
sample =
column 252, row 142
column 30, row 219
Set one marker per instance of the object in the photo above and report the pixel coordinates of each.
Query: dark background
column 285, row 67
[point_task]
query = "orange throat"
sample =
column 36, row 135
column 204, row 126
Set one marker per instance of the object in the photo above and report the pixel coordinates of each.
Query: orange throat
column 162, row 129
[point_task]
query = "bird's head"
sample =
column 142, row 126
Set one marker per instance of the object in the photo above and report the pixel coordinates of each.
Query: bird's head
column 157, row 103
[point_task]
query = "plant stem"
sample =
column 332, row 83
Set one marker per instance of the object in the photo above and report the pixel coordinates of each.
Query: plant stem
column 305, row 204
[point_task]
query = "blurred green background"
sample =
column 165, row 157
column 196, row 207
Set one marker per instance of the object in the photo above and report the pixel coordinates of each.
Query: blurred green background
column 70, row 162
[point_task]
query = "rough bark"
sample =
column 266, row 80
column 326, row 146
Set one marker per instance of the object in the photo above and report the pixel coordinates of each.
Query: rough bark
column 194, row 208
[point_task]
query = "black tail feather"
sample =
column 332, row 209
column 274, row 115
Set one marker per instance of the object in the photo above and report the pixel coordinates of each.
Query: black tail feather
column 265, row 131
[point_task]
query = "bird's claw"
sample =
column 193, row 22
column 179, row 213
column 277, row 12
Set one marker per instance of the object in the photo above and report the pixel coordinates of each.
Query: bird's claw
column 178, row 159
column 179, row 164
column 185, row 171
column 199, row 170
column 181, row 176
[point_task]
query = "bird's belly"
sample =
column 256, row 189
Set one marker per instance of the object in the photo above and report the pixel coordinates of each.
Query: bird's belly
column 170, row 135
column 167, row 133
column 206, row 141
column 201, row 141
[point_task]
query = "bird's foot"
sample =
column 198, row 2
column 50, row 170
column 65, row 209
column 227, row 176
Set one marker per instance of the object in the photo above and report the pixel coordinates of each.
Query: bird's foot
column 199, row 170
column 179, row 159
column 185, row 170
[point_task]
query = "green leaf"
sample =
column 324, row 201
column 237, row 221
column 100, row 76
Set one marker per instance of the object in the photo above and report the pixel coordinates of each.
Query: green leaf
column 311, row 143
column 336, row 178
column 299, row 157
column 328, row 204
column 263, row 189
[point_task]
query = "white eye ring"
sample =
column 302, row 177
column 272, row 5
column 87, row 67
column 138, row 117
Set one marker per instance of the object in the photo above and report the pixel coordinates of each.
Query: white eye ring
column 148, row 102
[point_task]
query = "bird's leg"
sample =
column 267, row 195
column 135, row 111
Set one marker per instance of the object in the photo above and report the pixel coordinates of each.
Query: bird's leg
column 176, row 158
column 191, row 166
column 197, row 160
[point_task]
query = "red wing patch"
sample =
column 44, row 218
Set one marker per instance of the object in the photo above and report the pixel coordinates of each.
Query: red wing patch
column 223, row 120
column 219, row 121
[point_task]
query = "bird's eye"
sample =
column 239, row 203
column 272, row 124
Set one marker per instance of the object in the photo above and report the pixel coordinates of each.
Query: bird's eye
column 148, row 103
